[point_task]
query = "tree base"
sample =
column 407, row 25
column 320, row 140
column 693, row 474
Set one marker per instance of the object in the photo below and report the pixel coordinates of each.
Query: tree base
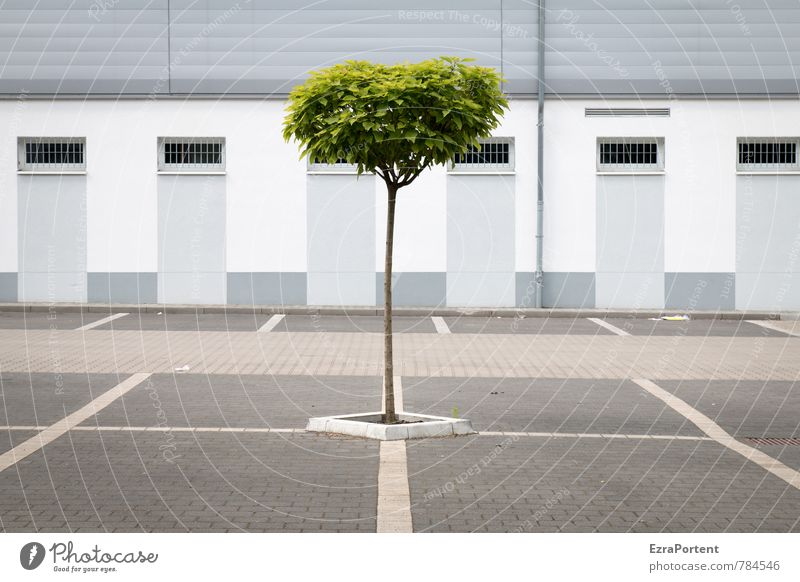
column 409, row 426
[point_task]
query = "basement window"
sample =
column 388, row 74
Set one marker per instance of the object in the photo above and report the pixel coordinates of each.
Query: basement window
column 339, row 167
column 197, row 155
column 767, row 154
column 493, row 155
column 632, row 155
column 51, row 154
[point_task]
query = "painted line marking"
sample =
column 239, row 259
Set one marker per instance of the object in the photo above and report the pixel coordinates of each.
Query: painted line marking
column 54, row 431
column 100, row 322
column 440, row 325
column 271, row 323
column 608, row 326
column 394, row 498
column 578, row 435
column 773, row 327
column 488, row 433
column 717, row 433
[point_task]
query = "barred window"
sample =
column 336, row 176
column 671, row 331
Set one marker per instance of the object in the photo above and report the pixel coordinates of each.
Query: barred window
column 51, row 154
column 493, row 154
column 767, row 154
column 340, row 166
column 191, row 154
column 630, row 154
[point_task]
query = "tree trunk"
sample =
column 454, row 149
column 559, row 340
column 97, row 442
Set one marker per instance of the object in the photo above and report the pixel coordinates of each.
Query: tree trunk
column 390, row 415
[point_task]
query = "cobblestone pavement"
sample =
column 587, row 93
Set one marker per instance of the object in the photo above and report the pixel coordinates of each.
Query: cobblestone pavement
column 567, row 440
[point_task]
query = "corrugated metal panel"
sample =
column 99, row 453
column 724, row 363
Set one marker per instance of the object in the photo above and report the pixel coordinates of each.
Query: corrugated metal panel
column 265, row 46
column 673, row 46
column 95, row 46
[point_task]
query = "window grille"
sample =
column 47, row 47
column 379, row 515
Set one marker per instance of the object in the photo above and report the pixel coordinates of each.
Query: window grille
column 51, row 154
column 630, row 154
column 191, row 154
column 340, row 165
column 768, row 154
column 493, row 154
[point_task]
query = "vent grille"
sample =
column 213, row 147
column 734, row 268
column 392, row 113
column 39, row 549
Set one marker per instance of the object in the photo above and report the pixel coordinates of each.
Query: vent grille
column 493, row 154
column 630, row 154
column 52, row 154
column 767, row 154
column 191, row 154
column 774, row 442
column 627, row 112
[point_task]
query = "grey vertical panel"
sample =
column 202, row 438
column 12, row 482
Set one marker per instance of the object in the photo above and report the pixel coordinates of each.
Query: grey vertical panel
column 561, row 290
column 123, row 287
column 630, row 241
column 8, row 287
column 767, row 242
column 267, row 288
column 414, row 289
column 480, row 240
column 191, row 239
column 700, row 291
column 52, row 237
column 341, row 239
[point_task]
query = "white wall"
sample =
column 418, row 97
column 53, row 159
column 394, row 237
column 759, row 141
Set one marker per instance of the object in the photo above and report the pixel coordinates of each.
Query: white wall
column 266, row 181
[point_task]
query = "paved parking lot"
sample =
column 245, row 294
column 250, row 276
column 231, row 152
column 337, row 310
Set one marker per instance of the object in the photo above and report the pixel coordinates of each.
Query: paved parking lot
column 184, row 422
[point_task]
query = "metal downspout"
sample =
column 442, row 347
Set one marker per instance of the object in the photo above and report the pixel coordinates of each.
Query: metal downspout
column 539, row 275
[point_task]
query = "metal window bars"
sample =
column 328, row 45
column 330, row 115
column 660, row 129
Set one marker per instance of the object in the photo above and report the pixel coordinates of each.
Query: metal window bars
column 340, row 165
column 767, row 154
column 630, row 154
column 492, row 154
column 191, row 154
column 51, row 154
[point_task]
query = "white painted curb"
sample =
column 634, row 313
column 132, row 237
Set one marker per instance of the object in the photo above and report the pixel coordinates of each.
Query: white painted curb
column 367, row 425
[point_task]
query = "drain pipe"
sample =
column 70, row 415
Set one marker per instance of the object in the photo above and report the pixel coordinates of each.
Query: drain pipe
column 539, row 275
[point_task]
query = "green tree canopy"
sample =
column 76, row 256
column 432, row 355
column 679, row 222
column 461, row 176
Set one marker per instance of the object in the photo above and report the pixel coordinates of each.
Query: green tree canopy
column 394, row 120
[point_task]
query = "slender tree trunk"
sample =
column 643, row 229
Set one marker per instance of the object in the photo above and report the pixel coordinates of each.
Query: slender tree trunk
column 390, row 415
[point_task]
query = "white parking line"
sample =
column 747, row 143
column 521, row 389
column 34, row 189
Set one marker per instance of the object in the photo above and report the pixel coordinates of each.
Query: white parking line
column 717, row 433
column 271, row 323
column 608, row 326
column 101, row 321
column 584, row 435
column 394, row 498
column 51, row 433
column 773, row 327
column 440, row 325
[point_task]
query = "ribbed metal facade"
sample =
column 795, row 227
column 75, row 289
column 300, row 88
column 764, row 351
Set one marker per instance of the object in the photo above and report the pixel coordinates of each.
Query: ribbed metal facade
column 241, row 47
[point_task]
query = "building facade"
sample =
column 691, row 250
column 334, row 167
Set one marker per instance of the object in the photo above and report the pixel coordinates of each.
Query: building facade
column 142, row 160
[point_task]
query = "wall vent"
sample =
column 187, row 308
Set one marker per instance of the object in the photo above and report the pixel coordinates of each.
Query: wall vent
column 627, row 112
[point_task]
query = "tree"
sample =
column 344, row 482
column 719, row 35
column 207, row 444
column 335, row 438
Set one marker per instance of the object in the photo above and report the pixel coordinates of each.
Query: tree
column 395, row 121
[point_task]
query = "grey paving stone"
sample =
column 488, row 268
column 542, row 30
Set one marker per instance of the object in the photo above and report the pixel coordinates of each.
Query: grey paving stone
column 198, row 400
column 696, row 327
column 216, row 482
column 356, row 323
column 12, row 438
column 40, row 399
column 187, row 322
column 752, row 408
column 548, row 485
column 55, row 320
column 547, row 405
column 529, row 325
